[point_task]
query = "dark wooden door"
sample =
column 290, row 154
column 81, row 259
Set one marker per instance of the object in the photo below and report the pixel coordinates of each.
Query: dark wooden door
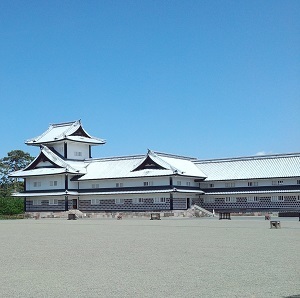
column 74, row 203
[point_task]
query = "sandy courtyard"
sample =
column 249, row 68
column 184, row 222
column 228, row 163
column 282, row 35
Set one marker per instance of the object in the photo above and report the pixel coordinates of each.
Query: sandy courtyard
column 142, row 258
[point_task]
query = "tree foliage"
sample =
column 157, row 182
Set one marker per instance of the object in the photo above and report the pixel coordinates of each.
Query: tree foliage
column 14, row 161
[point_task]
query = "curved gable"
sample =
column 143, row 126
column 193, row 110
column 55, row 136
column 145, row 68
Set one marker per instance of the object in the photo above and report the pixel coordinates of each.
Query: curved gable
column 148, row 164
column 42, row 161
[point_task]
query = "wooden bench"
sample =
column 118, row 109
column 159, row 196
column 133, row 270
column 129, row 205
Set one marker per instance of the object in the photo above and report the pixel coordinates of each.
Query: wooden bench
column 71, row 216
column 224, row 215
column 155, row 216
column 275, row 224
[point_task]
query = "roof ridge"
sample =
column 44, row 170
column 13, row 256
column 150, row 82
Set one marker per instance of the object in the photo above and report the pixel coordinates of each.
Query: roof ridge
column 175, row 155
column 64, row 123
column 72, row 125
column 173, row 168
column 114, row 158
column 253, row 157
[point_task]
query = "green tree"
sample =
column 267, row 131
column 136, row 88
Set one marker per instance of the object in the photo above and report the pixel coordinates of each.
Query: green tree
column 14, row 161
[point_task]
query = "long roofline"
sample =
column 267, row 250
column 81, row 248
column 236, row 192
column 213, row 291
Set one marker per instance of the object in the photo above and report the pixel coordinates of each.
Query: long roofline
column 251, row 157
column 141, row 156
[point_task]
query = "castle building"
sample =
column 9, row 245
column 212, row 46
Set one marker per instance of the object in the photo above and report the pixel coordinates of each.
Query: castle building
column 64, row 176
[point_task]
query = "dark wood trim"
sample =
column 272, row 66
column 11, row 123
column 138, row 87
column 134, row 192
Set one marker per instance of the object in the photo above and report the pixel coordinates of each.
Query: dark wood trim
column 66, row 182
column 66, row 203
column 171, row 201
column 65, row 150
column 80, row 132
column 90, row 151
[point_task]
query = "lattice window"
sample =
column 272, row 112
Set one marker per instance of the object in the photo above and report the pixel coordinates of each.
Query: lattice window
column 95, row 201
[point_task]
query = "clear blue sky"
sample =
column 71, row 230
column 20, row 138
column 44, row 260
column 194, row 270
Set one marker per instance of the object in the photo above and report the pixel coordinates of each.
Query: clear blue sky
column 199, row 78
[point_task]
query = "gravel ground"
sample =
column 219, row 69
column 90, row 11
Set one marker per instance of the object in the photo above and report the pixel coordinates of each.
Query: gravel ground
column 199, row 257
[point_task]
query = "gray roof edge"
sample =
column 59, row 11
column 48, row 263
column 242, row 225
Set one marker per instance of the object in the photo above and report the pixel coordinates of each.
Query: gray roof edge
column 244, row 158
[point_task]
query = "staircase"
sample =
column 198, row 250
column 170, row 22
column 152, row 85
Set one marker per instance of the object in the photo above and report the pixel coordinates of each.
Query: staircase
column 77, row 213
column 203, row 211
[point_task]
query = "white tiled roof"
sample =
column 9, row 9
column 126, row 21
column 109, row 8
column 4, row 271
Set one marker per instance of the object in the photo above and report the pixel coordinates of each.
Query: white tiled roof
column 255, row 167
column 109, row 168
column 63, row 131
column 253, row 192
column 38, row 172
column 183, row 166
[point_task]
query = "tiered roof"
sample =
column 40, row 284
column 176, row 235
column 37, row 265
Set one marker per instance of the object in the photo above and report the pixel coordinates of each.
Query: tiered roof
column 72, row 131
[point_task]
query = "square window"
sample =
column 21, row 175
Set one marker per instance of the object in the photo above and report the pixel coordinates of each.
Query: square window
column 37, row 184
column 36, row 202
column 230, row 200
column 53, row 201
column 252, row 199
column 137, row 200
column 95, row 201
column 209, row 200
column 159, row 200
column 119, row 201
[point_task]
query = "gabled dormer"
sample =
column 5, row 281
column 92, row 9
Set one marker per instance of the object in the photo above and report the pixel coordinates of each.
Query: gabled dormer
column 68, row 139
column 153, row 162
